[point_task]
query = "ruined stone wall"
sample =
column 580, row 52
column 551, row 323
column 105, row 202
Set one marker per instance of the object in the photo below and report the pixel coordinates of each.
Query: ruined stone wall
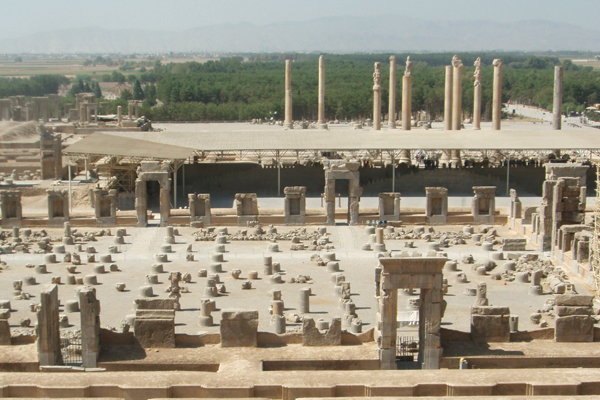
column 228, row 179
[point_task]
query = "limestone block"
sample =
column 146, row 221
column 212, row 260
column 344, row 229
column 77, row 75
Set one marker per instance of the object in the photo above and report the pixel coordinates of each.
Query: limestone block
column 490, row 310
column 159, row 332
column 574, row 328
column 239, row 328
column 311, row 336
column 5, row 339
column 514, row 244
column 155, row 304
column 574, row 300
column 490, row 328
column 563, row 311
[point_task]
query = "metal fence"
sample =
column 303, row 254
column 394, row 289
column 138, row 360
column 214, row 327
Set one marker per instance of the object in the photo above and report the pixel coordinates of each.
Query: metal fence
column 70, row 348
column 407, row 350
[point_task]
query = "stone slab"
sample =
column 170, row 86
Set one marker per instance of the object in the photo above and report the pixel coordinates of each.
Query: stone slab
column 574, row 300
column 239, row 328
column 574, row 328
column 155, row 333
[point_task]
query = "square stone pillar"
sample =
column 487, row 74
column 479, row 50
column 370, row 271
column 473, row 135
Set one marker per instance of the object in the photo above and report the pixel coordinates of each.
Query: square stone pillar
column 200, row 210
column 330, row 201
column 48, row 329
column 246, row 208
column 483, row 206
column 437, row 205
column 10, row 208
column 90, row 327
column 295, row 205
column 105, row 207
column 355, row 191
column 430, row 321
column 58, row 207
column 516, row 207
column 165, row 202
column 141, row 202
column 387, row 323
column 389, row 206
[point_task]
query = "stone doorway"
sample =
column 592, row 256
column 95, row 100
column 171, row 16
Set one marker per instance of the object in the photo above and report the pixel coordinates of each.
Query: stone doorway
column 342, row 170
column 424, row 273
column 149, row 172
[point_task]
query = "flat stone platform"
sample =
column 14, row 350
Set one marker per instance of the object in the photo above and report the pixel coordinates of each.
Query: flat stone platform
column 240, row 137
column 291, row 385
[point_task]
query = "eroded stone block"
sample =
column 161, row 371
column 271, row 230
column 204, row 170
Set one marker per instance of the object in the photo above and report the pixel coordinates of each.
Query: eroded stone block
column 239, row 328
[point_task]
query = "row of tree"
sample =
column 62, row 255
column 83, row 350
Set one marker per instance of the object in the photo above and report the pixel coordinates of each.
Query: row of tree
column 234, row 90
column 239, row 88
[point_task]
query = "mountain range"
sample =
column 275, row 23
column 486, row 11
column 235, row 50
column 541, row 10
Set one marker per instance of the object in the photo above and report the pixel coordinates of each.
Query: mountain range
column 327, row 34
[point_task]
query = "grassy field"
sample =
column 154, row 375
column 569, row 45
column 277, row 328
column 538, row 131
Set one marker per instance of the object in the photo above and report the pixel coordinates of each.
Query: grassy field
column 588, row 63
column 70, row 67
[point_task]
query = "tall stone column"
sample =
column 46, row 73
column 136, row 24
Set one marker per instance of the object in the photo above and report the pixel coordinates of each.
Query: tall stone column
column 448, row 98
column 406, row 95
column 388, row 309
column 321, row 115
column 558, row 95
column 377, row 97
column 90, row 327
column 457, row 93
column 497, row 95
column 477, row 96
column 165, row 203
column 288, row 123
column 141, row 202
column 119, row 116
column 392, row 105
column 48, row 329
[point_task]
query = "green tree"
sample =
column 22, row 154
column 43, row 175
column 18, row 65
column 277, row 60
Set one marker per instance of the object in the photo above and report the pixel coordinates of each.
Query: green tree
column 117, row 77
column 138, row 93
column 126, row 94
column 18, row 59
column 150, row 95
column 97, row 91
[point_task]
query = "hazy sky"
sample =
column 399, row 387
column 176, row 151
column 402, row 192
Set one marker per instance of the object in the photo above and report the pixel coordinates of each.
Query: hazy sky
column 21, row 17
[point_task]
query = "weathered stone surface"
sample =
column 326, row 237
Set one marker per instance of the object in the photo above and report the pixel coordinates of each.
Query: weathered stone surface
column 490, row 310
column 574, row 328
column 312, row 337
column 490, row 328
column 563, row 311
column 239, row 328
column 155, row 304
column 574, row 300
column 514, row 244
column 158, row 332
column 48, row 329
column 4, row 333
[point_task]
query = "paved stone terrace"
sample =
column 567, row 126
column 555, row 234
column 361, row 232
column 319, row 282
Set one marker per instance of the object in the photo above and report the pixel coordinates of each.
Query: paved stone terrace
column 142, row 244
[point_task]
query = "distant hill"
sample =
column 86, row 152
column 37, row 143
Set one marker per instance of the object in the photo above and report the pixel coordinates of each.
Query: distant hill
column 330, row 34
